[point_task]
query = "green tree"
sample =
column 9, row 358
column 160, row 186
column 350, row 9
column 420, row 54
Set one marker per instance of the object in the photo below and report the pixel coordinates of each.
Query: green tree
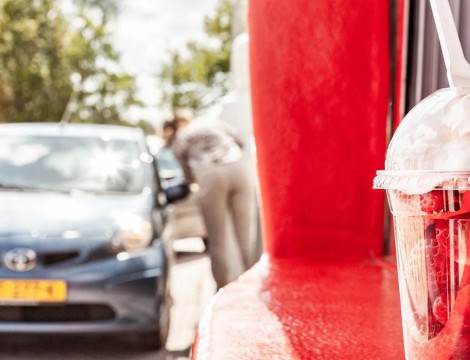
column 198, row 76
column 47, row 64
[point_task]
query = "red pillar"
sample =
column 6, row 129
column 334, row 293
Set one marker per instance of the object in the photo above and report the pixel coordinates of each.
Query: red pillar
column 320, row 87
column 320, row 90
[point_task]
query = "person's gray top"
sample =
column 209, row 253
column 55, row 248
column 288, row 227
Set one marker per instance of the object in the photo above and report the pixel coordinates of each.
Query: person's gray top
column 206, row 143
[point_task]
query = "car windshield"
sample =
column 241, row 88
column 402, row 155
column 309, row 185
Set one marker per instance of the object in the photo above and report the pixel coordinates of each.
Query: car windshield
column 70, row 163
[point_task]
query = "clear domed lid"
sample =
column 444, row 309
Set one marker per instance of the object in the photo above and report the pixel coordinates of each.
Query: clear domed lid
column 431, row 147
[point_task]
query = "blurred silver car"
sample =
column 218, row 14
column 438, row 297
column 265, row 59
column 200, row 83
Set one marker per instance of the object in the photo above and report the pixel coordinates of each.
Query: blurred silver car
column 85, row 226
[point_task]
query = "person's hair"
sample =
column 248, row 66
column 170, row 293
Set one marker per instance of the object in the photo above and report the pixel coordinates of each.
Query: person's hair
column 181, row 118
column 170, row 127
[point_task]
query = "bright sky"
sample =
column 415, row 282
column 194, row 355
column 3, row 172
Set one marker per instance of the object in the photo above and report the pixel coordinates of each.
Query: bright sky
column 146, row 31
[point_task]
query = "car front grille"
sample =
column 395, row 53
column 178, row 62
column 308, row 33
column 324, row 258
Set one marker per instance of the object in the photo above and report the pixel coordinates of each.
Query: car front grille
column 54, row 313
column 53, row 258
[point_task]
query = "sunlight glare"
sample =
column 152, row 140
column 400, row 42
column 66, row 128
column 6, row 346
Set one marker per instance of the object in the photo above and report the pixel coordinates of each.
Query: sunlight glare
column 106, row 164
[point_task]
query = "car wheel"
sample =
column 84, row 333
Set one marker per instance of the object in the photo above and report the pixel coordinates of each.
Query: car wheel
column 156, row 339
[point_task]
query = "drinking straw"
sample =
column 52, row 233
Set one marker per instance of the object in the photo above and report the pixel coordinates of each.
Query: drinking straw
column 458, row 69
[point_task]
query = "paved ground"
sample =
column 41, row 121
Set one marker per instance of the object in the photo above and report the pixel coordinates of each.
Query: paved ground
column 192, row 287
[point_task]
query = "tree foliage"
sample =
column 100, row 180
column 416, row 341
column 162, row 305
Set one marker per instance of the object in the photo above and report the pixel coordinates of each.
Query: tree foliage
column 198, row 76
column 48, row 61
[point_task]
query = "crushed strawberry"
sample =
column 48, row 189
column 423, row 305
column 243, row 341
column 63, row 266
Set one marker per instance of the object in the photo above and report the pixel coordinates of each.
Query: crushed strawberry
column 404, row 203
column 453, row 341
column 432, row 202
column 438, row 267
column 437, row 273
column 443, row 235
column 454, row 234
column 440, row 309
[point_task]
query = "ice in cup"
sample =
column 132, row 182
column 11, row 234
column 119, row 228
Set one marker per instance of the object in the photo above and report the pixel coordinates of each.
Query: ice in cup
column 427, row 179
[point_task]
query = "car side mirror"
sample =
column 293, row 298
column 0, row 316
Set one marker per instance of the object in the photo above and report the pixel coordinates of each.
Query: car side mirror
column 176, row 190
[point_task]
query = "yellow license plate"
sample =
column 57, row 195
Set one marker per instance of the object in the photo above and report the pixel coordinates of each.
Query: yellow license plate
column 33, row 290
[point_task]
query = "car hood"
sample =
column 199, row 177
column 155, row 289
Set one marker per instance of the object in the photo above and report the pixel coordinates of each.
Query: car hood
column 52, row 215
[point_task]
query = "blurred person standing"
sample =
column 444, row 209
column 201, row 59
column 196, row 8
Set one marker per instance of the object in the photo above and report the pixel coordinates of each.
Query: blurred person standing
column 210, row 153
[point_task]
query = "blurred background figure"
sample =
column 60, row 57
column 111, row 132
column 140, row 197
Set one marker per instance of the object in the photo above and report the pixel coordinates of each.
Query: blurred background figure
column 211, row 155
column 235, row 109
column 178, row 120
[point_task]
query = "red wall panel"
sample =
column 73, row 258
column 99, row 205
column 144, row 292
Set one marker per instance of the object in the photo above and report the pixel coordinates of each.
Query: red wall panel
column 320, row 90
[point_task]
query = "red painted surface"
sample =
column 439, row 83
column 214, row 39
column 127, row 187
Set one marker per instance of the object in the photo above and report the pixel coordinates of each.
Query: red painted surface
column 320, row 90
column 399, row 95
column 289, row 310
column 400, row 67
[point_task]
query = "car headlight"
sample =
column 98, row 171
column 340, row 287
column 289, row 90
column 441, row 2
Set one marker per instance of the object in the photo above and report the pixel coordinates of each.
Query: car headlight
column 134, row 233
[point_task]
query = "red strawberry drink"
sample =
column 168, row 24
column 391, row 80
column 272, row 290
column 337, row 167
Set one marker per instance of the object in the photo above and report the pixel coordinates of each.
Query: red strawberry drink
column 432, row 232
column 427, row 179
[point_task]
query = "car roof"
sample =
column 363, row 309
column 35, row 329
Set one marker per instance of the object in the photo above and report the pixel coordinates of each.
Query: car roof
column 73, row 130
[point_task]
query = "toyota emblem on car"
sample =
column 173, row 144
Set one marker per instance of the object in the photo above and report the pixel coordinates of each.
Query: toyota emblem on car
column 20, row 259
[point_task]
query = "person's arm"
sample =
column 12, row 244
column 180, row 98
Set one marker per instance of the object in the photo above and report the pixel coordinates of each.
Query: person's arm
column 181, row 155
column 188, row 174
column 232, row 132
